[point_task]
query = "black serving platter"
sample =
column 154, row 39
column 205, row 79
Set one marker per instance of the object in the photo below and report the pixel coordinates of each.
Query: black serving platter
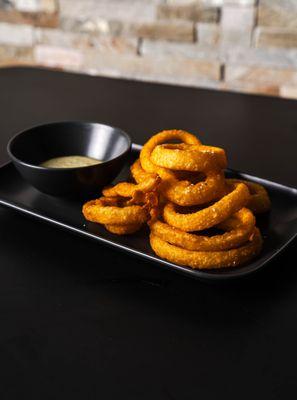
column 279, row 227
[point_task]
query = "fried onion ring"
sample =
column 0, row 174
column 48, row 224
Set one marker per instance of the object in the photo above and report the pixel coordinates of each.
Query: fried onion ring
column 185, row 193
column 259, row 200
column 160, row 138
column 127, row 189
column 123, row 229
column 182, row 193
column 239, row 229
column 185, row 157
column 209, row 216
column 138, row 173
column 208, row 259
column 106, row 211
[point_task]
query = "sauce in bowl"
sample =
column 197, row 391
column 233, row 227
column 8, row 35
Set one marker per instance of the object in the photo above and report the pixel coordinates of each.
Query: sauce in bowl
column 70, row 162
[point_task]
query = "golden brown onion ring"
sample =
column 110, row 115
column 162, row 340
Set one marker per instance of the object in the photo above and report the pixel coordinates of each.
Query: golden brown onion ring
column 105, row 211
column 138, row 173
column 208, row 259
column 127, row 189
column 259, row 200
column 185, row 193
column 239, row 228
column 123, row 229
column 209, row 216
column 185, row 157
column 160, row 138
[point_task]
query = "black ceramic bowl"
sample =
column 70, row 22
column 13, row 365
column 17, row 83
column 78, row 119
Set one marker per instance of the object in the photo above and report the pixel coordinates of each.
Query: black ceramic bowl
column 31, row 147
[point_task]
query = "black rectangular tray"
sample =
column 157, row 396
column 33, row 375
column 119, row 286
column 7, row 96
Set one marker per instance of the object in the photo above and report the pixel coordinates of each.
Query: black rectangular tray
column 279, row 227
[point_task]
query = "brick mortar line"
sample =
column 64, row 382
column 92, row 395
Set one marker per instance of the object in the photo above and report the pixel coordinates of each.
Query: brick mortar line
column 222, row 72
column 257, row 13
column 139, row 46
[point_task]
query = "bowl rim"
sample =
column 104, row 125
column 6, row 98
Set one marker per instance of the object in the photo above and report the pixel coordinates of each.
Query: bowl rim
column 83, row 122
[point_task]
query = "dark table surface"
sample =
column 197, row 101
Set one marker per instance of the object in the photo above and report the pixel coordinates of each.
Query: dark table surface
column 82, row 320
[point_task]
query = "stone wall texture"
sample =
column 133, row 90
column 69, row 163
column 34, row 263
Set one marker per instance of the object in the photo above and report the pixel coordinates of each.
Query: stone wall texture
column 240, row 45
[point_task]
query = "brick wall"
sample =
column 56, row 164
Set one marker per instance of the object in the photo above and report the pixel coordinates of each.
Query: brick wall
column 242, row 45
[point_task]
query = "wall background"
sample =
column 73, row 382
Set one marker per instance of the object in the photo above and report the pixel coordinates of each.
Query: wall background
column 242, row 45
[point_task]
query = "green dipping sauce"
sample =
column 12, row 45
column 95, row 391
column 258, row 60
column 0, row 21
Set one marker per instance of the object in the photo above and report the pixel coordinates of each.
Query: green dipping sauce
column 70, row 162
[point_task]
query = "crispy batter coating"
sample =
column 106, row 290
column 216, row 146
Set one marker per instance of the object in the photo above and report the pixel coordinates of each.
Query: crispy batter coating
column 160, row 138
column 104, row 211
column 123, row 229
column 259, row 201
column 127, row 189
column 239, row 229
column 208, row 259
column 185, row 157
column 209, row 216
column 185, row 193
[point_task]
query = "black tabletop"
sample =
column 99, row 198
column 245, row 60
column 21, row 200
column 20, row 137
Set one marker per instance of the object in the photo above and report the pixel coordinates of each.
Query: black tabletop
column 82, row 320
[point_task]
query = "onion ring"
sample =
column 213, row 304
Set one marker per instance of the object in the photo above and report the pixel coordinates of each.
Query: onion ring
column 105, row 211
column 138, row 173
column 123, row 229
column 208, row 259
column 259, row 200
column 185, row 157
column 182, row 193
column 127, row 189
column 185, row 193
column 239, row 229
column 209, row 216
column 159, row 138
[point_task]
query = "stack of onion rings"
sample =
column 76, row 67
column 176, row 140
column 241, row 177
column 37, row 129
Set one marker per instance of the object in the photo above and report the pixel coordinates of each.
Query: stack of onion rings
column 181, row 191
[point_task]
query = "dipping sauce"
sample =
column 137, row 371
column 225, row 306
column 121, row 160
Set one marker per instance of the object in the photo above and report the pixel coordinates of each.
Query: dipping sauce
column 70, row 162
